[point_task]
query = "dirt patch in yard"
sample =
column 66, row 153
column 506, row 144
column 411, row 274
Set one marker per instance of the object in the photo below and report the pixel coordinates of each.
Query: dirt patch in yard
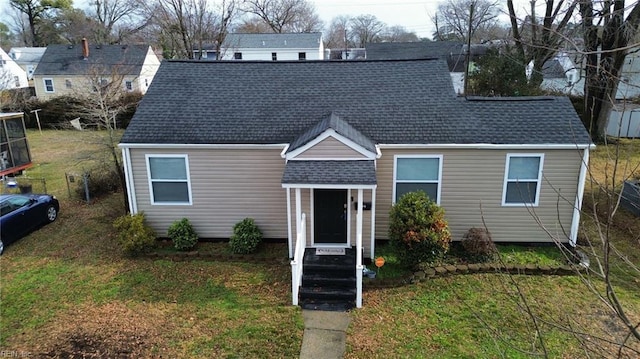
column 109, row 331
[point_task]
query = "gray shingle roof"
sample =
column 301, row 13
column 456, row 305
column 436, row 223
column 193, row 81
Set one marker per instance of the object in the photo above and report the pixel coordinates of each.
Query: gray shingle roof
column 412, row 50
column 552, row 69
column 274, row 41
column 68, row 59
column 389, row 102
column 330, row 172
column 340, row 126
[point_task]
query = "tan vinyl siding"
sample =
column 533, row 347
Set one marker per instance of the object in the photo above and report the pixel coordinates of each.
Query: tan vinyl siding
column 330, row 147
column 227, row 186
column 472, row 183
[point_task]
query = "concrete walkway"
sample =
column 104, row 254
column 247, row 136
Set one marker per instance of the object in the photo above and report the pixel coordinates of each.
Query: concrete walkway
column 324, row 334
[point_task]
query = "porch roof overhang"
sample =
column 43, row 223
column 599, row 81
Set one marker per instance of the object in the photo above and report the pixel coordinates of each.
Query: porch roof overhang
column 329, row 174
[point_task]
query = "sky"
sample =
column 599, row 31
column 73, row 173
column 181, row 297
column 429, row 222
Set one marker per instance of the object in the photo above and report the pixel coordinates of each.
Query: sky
column 414, row 15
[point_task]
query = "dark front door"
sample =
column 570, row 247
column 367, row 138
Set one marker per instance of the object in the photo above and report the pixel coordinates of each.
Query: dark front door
column 330, row 216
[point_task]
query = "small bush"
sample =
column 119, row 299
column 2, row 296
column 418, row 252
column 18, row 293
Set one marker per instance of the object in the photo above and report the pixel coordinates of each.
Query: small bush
column 478, row 245
column 183, row 235
column 101, row 181
column 246, row 237
column 418, row 229
column 134, row 236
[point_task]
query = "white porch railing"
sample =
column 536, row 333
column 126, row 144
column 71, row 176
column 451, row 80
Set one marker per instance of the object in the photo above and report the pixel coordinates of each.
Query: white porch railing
column 298, row 259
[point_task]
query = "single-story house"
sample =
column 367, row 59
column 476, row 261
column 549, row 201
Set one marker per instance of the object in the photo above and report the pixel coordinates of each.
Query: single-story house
column 340, row 142
column 72, row 69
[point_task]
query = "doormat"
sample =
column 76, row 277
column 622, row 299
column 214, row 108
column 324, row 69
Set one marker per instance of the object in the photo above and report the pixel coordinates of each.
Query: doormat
column 330, row 251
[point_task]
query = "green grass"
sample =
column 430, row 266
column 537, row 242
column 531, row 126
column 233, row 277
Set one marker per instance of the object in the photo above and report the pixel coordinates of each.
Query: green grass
column 539, row 255
column 67, row 284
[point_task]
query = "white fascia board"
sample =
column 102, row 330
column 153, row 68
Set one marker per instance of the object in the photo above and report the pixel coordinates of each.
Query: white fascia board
column 332, row 133
column 221, row 146
column 328, row 186
column 489, row 146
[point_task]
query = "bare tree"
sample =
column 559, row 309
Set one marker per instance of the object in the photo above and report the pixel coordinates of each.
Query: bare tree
column 182, row 24
column 452, row 20
column 36, row 11
column 118, row 19
column 367, row 28
column 101, row 102
column 338, row 34
column 285, row 15
column 538, row 39
column 608, row 35
column 398, row 34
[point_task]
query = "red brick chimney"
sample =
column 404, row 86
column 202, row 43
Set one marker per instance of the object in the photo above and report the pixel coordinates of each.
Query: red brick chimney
column 85, row 48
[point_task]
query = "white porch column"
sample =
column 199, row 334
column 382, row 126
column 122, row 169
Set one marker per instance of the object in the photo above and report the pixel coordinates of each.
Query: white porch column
column 359, row 266
column 298, row 209
column 373, row 222
column 289, row 234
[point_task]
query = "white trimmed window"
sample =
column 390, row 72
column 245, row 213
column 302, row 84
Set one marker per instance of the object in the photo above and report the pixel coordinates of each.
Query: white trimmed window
column 417, row 172
column 128, row 85
column 522, row 179
column 48, row 85
column 169, row 181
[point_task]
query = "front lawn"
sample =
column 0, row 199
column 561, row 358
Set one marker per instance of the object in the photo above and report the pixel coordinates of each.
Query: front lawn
column 66, row 290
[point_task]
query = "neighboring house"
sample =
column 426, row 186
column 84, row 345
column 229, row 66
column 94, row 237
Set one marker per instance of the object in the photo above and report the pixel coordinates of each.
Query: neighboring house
column 560, row 74
column 11, row 75
column 28, row 59
column 451, row 51
column 341, row 141
column 72, row 69
column 268, row 47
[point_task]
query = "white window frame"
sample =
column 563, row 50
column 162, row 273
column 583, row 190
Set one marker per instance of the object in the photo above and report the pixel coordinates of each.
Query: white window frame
column 151, row 181
column 44, row 82
column 395, row 175
column 129, row 87
column 537, row 180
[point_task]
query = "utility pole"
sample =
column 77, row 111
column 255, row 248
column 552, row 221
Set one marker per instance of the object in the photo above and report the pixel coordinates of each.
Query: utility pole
column 468, row 54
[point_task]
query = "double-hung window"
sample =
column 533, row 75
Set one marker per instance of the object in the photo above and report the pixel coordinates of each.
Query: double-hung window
column 169, row 181
column 417, row 172
column 522, row 179
column 48, row 85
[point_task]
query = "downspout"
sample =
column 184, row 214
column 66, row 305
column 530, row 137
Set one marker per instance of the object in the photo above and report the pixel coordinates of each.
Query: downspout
column 575, row 223
column 128, row 177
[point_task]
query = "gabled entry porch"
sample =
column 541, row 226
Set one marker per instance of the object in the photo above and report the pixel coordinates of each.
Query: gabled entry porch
column 326, row 203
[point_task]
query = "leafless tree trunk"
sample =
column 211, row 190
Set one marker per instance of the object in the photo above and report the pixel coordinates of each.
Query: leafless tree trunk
column 539, row 42
column 607, row 37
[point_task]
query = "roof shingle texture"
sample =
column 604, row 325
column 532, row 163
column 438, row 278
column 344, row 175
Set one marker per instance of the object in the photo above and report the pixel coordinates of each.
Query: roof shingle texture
column 330, row 172
column 388, row 102
column 68, row 59
column 337, row 124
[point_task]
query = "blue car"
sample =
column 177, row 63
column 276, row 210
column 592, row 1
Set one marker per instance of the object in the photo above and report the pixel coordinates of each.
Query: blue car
column 22, row 213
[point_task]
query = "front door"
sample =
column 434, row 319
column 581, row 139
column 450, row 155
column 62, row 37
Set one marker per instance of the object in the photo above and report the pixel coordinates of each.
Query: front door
column 330, row 216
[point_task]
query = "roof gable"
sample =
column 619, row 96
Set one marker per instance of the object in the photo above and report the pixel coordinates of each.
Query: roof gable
column 68, row 60
column 332, row 126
